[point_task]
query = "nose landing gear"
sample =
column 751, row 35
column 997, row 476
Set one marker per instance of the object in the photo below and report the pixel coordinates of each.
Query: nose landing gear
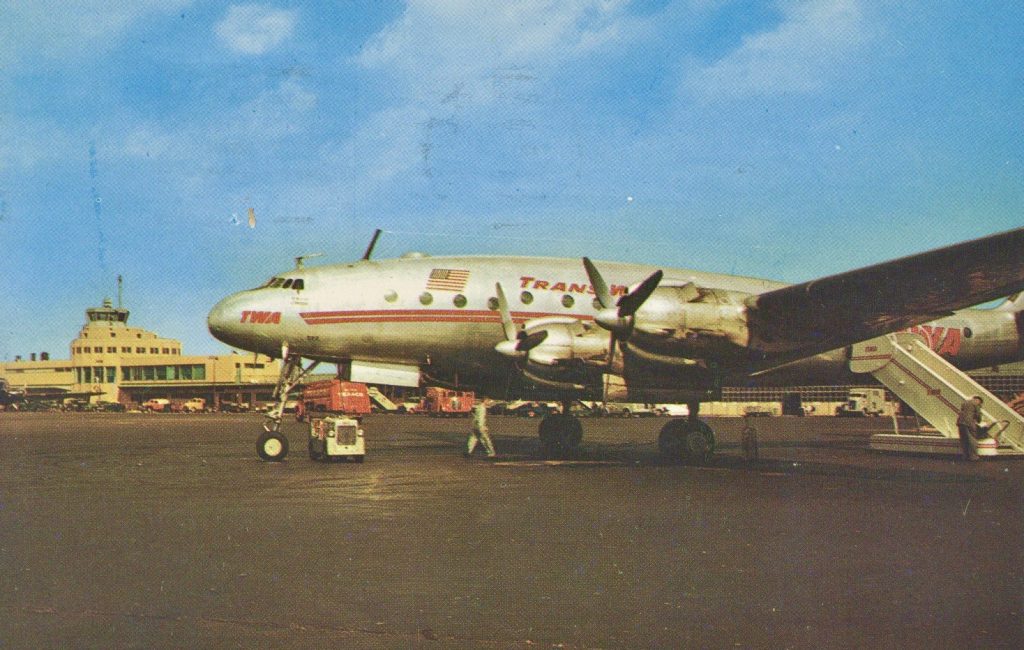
column 272, row 445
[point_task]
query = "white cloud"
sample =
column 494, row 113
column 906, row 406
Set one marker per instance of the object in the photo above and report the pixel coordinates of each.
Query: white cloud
column 464, row 61
column 800, row 55
column 435, row 45
column 255, row 29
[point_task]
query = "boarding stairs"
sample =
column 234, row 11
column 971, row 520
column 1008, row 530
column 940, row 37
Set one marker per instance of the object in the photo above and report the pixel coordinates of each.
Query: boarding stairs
column 381, row 400
column 936, row 389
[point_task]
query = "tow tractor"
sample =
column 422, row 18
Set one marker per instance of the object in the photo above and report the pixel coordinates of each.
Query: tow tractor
column 334, row 437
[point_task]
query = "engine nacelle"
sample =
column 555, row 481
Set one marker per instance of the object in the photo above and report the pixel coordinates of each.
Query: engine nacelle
column 571, row 356
column 711, row 326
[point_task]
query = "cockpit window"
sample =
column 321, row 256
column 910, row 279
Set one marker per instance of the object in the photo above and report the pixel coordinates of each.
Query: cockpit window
column 287, row 283
column 299, row 284
column 277, row 282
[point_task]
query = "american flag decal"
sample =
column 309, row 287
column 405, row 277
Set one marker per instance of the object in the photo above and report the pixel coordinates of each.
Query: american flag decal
column 447, row 279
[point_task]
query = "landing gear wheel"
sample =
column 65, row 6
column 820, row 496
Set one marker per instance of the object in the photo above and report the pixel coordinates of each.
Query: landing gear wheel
column 680, row 440
column 272, row 446
column 560, row 434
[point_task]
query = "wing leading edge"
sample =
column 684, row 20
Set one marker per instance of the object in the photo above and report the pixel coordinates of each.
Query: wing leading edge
column 838, row 310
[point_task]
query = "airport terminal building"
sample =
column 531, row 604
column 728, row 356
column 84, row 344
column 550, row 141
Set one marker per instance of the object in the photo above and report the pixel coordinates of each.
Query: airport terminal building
column 112, row 362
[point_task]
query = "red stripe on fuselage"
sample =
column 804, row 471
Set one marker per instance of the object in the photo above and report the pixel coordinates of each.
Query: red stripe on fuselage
column 422, row 316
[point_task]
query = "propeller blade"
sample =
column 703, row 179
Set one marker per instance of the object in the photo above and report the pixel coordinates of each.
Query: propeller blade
column 530, row 341
column 604, row 297
column 507, row 323
column 631, row 302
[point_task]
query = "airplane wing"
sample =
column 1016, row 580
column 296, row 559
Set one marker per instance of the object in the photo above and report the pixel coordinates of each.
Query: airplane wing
column 838, row 310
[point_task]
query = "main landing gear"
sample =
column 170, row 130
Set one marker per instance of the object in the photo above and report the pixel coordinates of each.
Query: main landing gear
column 272, row 445
column 561, row 433
column 688, row 440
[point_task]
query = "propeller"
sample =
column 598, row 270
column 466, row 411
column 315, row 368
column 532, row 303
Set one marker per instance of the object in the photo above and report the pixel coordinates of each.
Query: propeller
column 617, row 318
column 517, row 343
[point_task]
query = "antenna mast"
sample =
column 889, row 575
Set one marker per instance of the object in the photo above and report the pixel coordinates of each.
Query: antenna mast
column 373, row 243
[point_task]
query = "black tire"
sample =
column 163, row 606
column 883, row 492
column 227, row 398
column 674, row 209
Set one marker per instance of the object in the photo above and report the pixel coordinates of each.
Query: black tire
column 560, row 434
column 272, row 446
column 679, row 441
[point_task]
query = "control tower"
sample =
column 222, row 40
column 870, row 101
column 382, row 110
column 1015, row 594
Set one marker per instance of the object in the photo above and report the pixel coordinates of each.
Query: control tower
column 112, row 316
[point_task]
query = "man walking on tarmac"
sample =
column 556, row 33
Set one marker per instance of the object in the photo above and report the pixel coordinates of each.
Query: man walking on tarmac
column 480, row 433
column 967, row 424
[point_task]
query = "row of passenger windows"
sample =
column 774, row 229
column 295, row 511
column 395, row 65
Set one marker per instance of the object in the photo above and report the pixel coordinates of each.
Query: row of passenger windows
column 298, row 284
column 460, row 301
column 108, row 374
column 125, row 350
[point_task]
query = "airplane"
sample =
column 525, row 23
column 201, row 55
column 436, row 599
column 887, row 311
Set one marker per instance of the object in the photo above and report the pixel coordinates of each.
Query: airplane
column 562, row 329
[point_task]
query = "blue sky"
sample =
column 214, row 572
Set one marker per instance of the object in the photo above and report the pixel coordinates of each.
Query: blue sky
column 786, row 140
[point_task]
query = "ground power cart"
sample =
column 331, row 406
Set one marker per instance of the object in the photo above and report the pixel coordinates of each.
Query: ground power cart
column 336, row 438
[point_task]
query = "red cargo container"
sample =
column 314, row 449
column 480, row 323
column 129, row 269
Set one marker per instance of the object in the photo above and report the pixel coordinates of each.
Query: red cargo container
column 333, row 396
column 442, row 402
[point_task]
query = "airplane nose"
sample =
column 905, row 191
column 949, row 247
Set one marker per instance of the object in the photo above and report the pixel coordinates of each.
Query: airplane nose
column 222, row 317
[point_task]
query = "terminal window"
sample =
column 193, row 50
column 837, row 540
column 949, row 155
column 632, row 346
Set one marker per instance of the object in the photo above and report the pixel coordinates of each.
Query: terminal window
column 140, row 350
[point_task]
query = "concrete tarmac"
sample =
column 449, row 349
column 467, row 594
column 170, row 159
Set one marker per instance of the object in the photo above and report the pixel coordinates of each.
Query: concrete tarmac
column 131, row 530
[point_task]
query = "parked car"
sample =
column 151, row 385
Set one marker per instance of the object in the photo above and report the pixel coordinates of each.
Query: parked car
column 531, row 409
column 630, row 409
column 157, row 405
column 673, row 410
column 194, row 405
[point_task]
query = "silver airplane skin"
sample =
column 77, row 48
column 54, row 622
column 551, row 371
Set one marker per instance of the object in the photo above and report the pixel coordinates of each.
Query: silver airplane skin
column 564, row 329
